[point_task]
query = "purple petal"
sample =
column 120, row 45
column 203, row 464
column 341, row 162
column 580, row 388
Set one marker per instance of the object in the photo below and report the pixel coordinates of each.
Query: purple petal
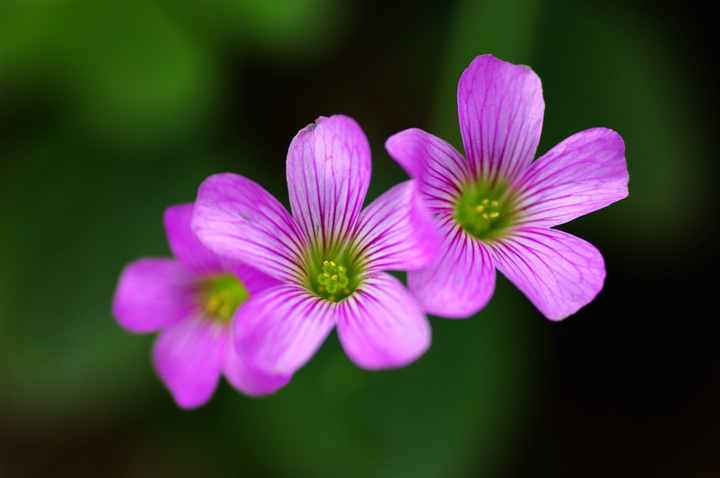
column 500, row 106
column 381, row 325
column 396, row 231
column 461, row 281
column 235, row 217
column 558, row 272
column 188, row 358
column 439, row 169
column 195, row 256
column 582, row 174
column 185, row 245
column 253, row 279
column 328, row 173
column 153, row 293
column 280, row 329
column 248, row 379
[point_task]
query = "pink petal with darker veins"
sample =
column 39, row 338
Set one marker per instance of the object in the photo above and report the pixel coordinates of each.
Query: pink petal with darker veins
column 438, row 168
column 582, row 174
column 280, row 329
column 381, row 325
column 186, row 246
column 236, row 217
column 500, row 107
column 396, row 232
column 558, row 272
column 461, row 281
column 328, row 173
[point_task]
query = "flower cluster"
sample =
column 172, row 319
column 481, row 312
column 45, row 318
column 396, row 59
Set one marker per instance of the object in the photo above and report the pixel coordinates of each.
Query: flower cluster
column 255, row 289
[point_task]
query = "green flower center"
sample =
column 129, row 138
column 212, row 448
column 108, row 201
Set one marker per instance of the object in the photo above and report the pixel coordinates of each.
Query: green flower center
column 485, row 210
column 334, row 273
column 221, row 296
column 332, row 282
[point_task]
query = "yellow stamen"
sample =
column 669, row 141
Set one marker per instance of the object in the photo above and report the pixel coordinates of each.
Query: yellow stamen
column 333, row 283
column 221, row 296
column 212, row 304
column 225, row 311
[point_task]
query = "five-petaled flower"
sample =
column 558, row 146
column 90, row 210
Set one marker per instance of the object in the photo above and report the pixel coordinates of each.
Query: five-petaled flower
column 329, row 255
column 496, row 209
column 192, row 299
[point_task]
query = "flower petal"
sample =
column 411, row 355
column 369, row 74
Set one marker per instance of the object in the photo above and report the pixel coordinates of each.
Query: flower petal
column 280, row 329
column 501, row 107
column 195, row 256
column 461, row 281
column 396, row 232
column 438, row 168
column 153, row 293
column 328, row 173
column 185, row 245
column 248, row 379
column 188, row 358
column 236, row 217
column 584, row 173
column 558, row 272
column 381, row 325
column 254, row 280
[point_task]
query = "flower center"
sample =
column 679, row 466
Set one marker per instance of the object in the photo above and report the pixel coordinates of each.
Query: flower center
column 333, row 282
column 221, row 296
column 484, row 210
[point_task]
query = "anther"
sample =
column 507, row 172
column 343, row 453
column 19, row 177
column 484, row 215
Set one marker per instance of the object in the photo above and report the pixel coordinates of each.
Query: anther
column 332, row 282
column 212, row 304
column 222, row 295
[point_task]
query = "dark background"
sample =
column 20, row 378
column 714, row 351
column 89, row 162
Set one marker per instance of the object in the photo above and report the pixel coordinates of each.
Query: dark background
column 111, row 111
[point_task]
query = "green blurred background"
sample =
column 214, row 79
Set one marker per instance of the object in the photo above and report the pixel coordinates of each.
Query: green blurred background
column 110, row 111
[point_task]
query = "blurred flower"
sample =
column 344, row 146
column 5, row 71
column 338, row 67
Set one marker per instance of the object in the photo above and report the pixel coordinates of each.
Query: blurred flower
column 328, row 255
column 497, row 207
column 193, row 299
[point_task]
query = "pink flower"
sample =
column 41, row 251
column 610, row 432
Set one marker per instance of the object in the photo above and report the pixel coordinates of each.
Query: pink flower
column 329, row 255
column 192, row 300
column 496, row 208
